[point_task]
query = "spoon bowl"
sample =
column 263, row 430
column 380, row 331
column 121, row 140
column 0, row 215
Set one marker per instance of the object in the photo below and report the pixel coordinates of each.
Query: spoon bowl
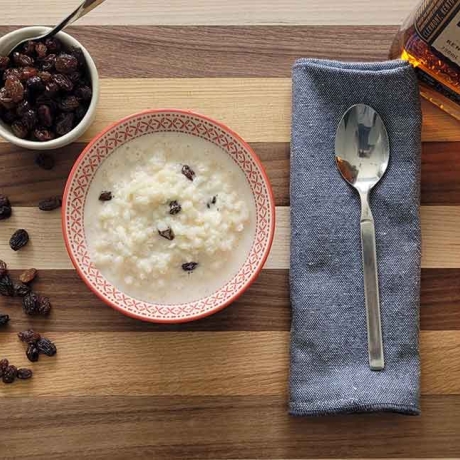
column 362, row 149
column 362, row 153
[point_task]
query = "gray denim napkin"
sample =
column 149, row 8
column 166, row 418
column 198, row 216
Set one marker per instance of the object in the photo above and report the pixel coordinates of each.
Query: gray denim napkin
column 329, row 361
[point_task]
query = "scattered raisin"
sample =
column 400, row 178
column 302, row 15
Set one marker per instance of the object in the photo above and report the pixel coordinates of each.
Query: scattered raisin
column 19, row 239
column 29, row 336
column 5, row 212
column 4, row 319
column 188, row 172
column 24, row 373
column 4, row 363
column 9, row 374
column 28, row 275
column 6, row 286
column 19, row 130
column 30, row 304
column 66, row 63
column 189, row 266
column 167, row 233
column 44, row 305
column 32, row 352
column 174, row 208
column 44, row 161
column 4, row 201
column 21, row 289
column 50, row 204
column 3, row 266
column 105, row 196
column 45, row 116
column 43, row 135
column 64, row 123
column 46, row 347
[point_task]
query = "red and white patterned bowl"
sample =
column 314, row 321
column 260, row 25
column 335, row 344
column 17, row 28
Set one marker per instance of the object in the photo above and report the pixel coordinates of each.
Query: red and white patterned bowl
column 148, row 122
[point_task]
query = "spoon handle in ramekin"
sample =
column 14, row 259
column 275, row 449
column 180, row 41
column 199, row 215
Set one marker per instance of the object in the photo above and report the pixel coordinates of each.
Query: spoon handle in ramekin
column 81, row 11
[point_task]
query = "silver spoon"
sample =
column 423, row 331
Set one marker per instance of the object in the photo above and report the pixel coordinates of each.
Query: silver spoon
column 362, row 152
column 81, row 11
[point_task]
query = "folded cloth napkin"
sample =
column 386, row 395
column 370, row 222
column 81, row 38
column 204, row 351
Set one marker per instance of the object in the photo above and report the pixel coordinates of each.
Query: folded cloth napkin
column 329, row 360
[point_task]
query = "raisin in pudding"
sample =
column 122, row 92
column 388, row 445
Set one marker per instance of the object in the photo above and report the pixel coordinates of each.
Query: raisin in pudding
column 169, row 218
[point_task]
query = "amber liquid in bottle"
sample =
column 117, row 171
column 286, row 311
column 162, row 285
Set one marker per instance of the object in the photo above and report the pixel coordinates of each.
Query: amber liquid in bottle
column 430, row 40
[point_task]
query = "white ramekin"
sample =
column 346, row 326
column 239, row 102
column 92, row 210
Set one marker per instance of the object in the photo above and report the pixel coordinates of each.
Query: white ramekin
column 7, row 42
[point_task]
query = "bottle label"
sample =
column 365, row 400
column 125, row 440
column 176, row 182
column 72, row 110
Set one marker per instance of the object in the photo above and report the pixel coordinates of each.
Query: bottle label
column 438, row 24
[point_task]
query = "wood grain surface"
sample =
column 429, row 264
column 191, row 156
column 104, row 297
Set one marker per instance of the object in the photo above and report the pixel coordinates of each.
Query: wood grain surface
column 27, row 185
column 202, row 12
column 46, row 248
column 215, row 388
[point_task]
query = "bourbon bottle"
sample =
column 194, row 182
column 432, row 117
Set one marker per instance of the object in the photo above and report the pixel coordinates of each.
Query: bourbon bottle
column 430, row 40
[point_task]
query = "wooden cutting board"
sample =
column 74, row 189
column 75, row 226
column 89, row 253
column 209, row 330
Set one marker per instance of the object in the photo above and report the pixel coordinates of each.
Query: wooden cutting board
column 216, row 388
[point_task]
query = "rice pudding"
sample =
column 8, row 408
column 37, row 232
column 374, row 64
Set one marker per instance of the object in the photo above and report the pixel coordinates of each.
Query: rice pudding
column 169, row 218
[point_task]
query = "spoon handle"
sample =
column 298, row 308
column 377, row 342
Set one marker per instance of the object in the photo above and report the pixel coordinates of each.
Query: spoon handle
column 371, row 287
column 81, row 11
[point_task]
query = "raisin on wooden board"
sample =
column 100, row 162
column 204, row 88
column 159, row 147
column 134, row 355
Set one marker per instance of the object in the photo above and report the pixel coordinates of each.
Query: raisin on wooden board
column 32, row 353
column 44, row 161
column 44, row 305
column 9, row 374
column 46, row 347
column 50, row 204
column 4, row 320
column 3, row 268
column 28, row 275
column 19, row 239
column 24, row 373
column 21, row 289
column 6, row 286
column 29, row 336
column 5, row 212
column 30, row 304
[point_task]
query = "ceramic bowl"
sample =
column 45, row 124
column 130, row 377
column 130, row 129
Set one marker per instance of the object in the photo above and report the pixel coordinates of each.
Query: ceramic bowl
column 149, row 122
column 7, row 42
